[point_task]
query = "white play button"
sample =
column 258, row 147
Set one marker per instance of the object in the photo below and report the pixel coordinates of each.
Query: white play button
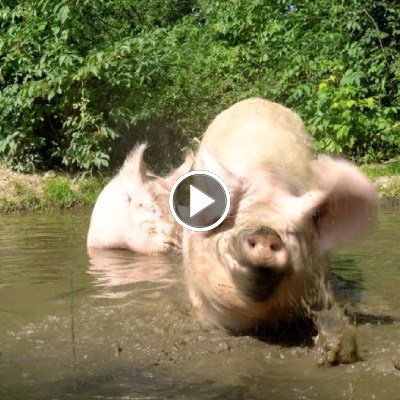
column 198, row 201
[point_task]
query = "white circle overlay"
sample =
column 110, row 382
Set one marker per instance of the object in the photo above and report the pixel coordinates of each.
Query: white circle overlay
column 221, row 218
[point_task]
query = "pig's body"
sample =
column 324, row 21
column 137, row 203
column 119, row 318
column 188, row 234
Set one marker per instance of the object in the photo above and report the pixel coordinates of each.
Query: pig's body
column 258, row 135
column 269, row 259
column 132, row 210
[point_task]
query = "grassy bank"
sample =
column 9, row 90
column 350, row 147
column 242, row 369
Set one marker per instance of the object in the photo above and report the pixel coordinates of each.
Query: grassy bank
column 386, row 179
column 21, row 192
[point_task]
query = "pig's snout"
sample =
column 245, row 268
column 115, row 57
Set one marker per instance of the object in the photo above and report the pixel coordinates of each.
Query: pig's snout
column 262, row 247
column 265, row 259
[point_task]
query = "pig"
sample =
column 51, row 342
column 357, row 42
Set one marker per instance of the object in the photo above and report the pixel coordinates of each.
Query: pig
column 132, row 210
column 268, row 261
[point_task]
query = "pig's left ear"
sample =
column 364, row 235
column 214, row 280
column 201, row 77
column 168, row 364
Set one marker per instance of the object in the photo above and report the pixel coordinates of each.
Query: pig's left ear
column 237, row 185
column 346, row 202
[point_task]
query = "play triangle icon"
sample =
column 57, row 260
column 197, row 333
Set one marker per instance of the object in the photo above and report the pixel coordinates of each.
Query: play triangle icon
column 198, row 201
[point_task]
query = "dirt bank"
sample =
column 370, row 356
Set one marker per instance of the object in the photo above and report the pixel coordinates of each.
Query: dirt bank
column 23, row 192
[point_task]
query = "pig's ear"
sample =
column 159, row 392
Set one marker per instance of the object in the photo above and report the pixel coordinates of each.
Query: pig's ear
column 133, row 171
column 134, row 167
column 345, row 204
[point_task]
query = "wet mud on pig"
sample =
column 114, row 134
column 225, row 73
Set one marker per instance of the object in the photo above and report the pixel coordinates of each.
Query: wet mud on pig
column 268, row 262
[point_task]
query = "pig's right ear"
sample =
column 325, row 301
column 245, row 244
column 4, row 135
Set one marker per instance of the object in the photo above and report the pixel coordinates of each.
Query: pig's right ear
column 133, row 171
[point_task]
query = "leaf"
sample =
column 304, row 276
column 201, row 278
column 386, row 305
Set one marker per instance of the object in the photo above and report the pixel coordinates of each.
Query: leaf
column 370, row 102
column 42, row 26
column 63, row 14
column 350, row 103
column 342, row 131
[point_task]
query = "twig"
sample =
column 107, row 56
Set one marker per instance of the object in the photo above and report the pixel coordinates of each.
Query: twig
column 379, row 35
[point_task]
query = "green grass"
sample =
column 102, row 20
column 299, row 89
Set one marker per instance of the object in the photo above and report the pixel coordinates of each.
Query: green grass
column 377, row 170
column 7, row 205
column 53, row 193
column 65, row 193
column 58, row 192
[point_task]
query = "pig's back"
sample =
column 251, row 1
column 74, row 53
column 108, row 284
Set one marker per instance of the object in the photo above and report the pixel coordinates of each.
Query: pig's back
column 260, row 134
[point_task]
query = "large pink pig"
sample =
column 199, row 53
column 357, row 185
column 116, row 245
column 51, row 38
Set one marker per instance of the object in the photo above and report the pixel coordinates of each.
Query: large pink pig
column 269, row 260
column 132, row 210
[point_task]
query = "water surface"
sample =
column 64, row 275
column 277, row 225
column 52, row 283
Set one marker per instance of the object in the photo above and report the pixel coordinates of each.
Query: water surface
column 118, row 326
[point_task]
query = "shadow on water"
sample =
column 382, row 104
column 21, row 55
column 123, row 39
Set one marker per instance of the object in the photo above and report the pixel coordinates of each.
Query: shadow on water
column 297, row 332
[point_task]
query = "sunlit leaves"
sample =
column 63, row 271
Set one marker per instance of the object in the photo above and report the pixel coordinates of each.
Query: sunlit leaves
column 63, row 13
column 76, row 74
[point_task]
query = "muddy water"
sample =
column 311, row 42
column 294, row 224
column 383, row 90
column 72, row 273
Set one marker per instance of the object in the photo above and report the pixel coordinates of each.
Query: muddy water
column 119, row 327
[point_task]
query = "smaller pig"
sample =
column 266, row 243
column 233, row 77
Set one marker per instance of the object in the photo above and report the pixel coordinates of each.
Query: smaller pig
column 132, row 210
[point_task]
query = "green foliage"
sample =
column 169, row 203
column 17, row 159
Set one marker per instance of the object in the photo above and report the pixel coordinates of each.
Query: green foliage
column 337, row 64
column 61, row 192
column 76, row 75
column 45, row 115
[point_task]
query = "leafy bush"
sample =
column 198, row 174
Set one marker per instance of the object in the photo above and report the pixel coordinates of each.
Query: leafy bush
column 78, row 76
column 336, row 63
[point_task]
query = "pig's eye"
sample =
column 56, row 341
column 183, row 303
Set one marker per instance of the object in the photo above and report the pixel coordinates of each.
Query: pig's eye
column 140, row 205
column 315, row 216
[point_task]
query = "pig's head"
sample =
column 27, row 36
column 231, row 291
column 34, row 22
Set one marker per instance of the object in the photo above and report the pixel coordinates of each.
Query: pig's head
column 149, row 223
column 268, row 261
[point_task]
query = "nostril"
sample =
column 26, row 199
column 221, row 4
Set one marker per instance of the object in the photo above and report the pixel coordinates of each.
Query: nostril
column 252, row 243
column 276, row 244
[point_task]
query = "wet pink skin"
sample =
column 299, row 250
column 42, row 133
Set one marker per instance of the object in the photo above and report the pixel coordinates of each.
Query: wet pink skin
column 132, row 210
column 269, row 260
